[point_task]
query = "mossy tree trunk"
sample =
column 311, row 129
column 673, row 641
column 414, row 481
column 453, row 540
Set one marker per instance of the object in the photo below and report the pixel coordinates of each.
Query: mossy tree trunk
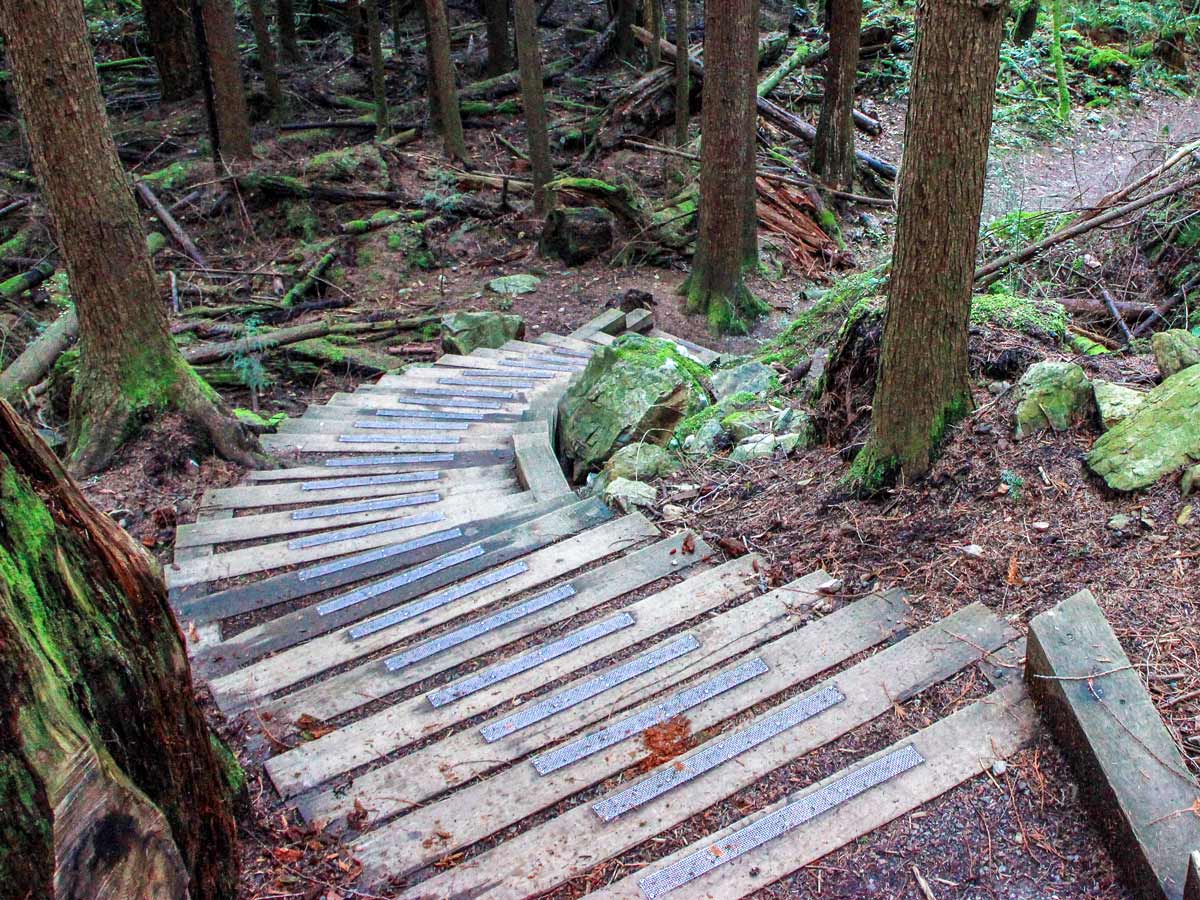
column 110, row 783
column 289, row 46
column 833, row 148
column 922, row 386
column 266, row 58
column 1027, row 22
column 683, row 83
column 378, row 75
column 529, row 54
column 219, row 46
column 727, row 243
column 653, row 22
column 173, row 44
column 499, row 43
column 443, row 90
column 130, row 368
column 1060, row 67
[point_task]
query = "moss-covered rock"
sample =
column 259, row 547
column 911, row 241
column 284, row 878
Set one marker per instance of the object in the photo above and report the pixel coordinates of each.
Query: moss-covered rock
column 640, row 462
column 361, row 163
column 1162, row 436
column 625, row 494
column 636, row 389
column 464, row 332
column 750, row 378
column 1175, row 350
column 1051, row 395
column 577, row 235
column 763, row 446
column 1115, row 402
column 1035, row 317
column 743, row 423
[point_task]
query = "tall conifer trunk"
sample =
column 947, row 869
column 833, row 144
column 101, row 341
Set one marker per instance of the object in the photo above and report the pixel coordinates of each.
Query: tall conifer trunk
column 529, row 54
column 499, row 45
column 922, row 386
column 727, row 244
column 443, row 91
column 378, row 75
column 833, row 149
column 219, row 46
column 173, row 44
column 289, row 46
column 129, row 367
column 266, row 58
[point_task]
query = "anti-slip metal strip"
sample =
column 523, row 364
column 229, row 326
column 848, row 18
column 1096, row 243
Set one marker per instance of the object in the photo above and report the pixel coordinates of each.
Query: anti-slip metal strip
column 488, row 381
column 557, row 361
column 487, row 374
column 531, row 660
column 494, row 393
column 458, row 636
column 584, row 690
column 546, row 364
column 429, row 414
column 330, row 484
column 369, row 556
column 704, row 760
column 343, row 509
column 436, row 599
column 408, row 576
column 347, row 534
column 562, row 756
column 781, row 821
column 450, row 401
column 413, row 425
column 341, row 462
column 399, row 439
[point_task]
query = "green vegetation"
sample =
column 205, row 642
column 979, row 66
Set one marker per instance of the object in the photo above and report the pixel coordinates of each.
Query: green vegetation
column 824, row 320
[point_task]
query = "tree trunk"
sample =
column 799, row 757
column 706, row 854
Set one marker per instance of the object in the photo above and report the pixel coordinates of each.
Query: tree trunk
column 683, row 84
column 922, row 386
column 378, row 79
column 1027, row 22
column 173, row 44
column 130, row 367
column 727, row 243
column 626, row 12
column 219, row 47
column 110, row 783
column 357, row 23
column 833, row 149
column 499, row 46
column 529, row 55
column 266, row 59
column 653, row 16
column 442, row 85
column 289, row 47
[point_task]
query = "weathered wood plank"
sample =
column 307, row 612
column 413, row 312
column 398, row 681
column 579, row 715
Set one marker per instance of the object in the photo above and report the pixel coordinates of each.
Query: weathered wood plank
column 416, row 428
column 568, row 344
column 488, row 806
column 237, row 689
column 611, row 321
column 1129, row 769
column 374, row 444
column 575, row 840
column 537, row 466
column 1191, row 889
column 955, row 749
column 367, row 739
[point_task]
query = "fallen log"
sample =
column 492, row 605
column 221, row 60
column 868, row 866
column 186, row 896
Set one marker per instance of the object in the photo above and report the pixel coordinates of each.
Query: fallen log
column 1167, row 307
column 310, row 279
column 510, row 82
column 595, row 49
column 18, row 284
column 282, row 337
column 38, row 357
column 804, row 55
column 168, row 222
column 287, row 186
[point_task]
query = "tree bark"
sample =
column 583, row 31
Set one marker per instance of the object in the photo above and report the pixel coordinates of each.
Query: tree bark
column 109, row 781
column 833, row 149
column 357, row 23
column 129, row 365
column 220, row 47
column 529, row 55
column 499, row 44
column 173, row 45
column 727, row 243
column 289, row 46
column 378, row 76
column 266, row 59
column 1027, row 22
column 626, row 15
column 922, row 386
column 444, row 92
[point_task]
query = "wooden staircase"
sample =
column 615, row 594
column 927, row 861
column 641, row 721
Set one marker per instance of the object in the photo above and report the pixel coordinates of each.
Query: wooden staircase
column 458, row 661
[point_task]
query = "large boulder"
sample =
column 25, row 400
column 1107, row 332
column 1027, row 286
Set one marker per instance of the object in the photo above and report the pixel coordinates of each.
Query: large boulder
column 577, row 235
column 625, row 494
column 1115, row 402
column 1051, row 395
column 748, row 378
column 1161, row 436
column 463, row 332
column 641, row 462
column 635, row 389
column 1175, row 350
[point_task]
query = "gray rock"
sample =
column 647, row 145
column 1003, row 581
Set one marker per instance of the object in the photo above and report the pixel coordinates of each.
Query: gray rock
column 1115, row 402
column 704, row 441
column 577, row 235
column 625, row 494
column 748, row 378
column 763, row 446
column 640, row 462
column 1051, row 395
column 1175, row 350
column 464, row 332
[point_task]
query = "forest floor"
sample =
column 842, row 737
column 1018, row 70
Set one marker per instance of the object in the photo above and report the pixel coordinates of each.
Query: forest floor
column 1010, row 835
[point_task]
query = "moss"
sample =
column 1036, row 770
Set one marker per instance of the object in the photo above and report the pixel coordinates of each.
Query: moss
column 953, row 413
column 171, row 177
column 826, row 318
column 301, row 219
column 231, row 769
column 869, row 473
column 1103, row 57
column 1034, row 317
column 365, row 257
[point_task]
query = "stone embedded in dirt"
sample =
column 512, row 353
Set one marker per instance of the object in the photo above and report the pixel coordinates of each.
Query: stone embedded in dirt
column 464, row 332
column 1119, row 522
column 640, row 462
column 1115, row 402
column 1190, row 481
column 1160, row 437
column 625, row 494
column 748, row 378
column 1051, row 395
column 743, row 423
column 635, row 389
column 515, row 284
column 577, row 235
column 1175, row 350
column 763, row 446
column 974, row 551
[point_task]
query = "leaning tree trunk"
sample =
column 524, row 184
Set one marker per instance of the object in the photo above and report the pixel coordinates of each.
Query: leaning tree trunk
column 173, row 44
column 266, row 59
column 533, row 99
column 833, row 148
column 727, row 243
column 130, row 368
column 289, row 46
column 110, row 784
column 441, row 77
column 499, row 45
column 922, row 386
column 218, row 42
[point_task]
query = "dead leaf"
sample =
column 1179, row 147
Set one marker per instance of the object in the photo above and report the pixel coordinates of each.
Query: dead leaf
column 287, row 854
column 1014, row 572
